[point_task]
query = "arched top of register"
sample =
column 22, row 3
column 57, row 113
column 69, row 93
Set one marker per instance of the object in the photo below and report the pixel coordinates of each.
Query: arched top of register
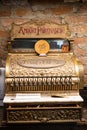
column 40, row 29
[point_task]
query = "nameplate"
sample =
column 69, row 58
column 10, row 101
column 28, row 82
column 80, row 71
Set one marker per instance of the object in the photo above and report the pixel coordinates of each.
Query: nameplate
column 40, row 29
column 41, row 63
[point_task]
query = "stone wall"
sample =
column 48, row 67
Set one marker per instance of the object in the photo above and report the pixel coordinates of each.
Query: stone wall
column 58, row 11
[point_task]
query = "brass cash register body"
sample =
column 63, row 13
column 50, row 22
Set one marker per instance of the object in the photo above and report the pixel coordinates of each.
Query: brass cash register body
column 42, row 87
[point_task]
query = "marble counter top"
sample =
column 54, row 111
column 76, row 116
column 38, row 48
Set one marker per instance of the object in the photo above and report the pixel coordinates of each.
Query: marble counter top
column 28, row 98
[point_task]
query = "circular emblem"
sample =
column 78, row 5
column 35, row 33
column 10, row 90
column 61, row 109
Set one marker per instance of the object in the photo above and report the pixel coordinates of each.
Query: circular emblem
column 42, row 47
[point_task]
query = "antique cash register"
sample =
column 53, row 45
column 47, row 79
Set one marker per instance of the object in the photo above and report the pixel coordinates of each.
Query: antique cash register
column 43, row 76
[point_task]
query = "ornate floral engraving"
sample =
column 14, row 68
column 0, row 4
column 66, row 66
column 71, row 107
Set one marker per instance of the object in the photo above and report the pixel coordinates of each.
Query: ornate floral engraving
column 44, row 115
column 17, row 66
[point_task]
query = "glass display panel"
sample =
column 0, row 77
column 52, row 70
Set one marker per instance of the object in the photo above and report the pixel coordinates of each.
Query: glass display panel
column 22, row 43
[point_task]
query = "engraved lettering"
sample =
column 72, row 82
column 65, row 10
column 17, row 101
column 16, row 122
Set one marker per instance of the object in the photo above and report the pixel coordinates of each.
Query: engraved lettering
column 25, row 31
column 21, row 31
column 39, row 30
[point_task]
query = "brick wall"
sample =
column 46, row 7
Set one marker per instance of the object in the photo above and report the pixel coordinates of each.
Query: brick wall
column 72, row 13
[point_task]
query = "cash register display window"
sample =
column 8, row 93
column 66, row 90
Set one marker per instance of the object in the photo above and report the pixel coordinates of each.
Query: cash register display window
column 55, row 44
